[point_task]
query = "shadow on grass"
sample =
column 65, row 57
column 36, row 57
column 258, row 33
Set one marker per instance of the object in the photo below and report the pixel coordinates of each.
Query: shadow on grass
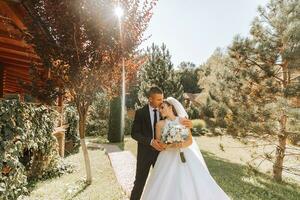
column 104, row 141
column 79, row 187
column 241, row 183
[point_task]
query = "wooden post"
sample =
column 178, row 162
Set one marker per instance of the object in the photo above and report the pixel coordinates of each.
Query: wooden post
column 60, row 100
column 1, row 80
column 60, row 137
column 60, row 109
column 22, row 96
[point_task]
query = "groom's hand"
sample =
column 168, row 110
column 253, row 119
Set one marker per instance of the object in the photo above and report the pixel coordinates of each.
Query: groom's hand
column 186, row 122
column 157, row 145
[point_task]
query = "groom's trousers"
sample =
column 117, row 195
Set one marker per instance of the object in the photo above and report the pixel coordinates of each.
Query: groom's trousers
column 145, row 159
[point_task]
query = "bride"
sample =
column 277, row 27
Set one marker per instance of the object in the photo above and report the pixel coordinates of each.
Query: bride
column 180, row 172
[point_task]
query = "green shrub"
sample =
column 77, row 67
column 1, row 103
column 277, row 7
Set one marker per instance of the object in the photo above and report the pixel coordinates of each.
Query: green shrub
column 27, row 146
column 221, row 112
column 71, row 134
column 208, row 109
column 193, row 112
column 128, row 125
column 97, row 121
column 98, row 128
column 114, row 132
column 199, row 127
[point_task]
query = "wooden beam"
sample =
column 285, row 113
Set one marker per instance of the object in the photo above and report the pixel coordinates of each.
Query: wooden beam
column 21, row 71
column 13, row 67
column 17, row 61
column 8, row 27
column 15, row 47
column 12, row 86
column 17, row 55
column 14, row 52
column 10, row 64
column 23, row 61
column 16, row 6
column 13, row 35
column 14, row 83
column 8, row 90
column 17, row 68
column 10, row 83
column 15, row 79
column 9, row 12
column 60, row 100
column 6, row 40
column 15, row 64
column 11, row 90
column 1, row 80
column 24, row 72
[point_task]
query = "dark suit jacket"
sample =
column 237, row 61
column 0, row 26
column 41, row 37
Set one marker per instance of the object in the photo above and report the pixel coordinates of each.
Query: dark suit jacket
column 142, row 131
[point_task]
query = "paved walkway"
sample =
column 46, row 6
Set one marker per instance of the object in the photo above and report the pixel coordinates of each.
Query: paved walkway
column 124, row 165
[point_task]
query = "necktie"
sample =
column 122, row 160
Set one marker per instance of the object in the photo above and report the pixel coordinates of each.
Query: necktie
column 154, row 122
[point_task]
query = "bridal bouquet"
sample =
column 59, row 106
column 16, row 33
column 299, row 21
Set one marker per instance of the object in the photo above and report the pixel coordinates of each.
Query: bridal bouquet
column 175, row 133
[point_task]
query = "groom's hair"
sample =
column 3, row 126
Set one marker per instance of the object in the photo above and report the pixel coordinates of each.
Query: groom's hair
column 154, row 90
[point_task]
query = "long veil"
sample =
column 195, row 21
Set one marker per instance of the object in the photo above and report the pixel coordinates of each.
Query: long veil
column 181, row 112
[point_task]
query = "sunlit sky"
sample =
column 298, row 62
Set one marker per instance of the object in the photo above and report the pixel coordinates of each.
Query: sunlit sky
column 193, row 29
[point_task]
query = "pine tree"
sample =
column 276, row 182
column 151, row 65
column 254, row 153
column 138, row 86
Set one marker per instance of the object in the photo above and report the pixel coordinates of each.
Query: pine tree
column 188, row 73
column 159, row 71
column 268, row 61
column 215, row 94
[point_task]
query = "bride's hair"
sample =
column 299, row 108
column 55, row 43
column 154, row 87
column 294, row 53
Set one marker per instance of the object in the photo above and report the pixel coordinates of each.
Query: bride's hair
column 173, row 108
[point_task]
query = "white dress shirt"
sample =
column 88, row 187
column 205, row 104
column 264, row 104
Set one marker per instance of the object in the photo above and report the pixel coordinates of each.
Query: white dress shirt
column 152, row 118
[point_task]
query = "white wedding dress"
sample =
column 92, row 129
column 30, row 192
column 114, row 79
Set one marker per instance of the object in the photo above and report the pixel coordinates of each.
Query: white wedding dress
column 171, row 179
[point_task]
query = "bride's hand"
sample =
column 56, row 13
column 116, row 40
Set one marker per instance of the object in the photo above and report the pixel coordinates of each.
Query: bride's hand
column 163, row 145
column 174, row 145
column 156, row 144
column 186, row 122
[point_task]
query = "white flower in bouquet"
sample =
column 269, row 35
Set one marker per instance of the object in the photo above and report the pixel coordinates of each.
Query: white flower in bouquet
column 174, row 133
column 178, row 138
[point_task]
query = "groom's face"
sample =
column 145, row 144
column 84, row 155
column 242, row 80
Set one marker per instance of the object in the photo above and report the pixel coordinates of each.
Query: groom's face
column 156, row 100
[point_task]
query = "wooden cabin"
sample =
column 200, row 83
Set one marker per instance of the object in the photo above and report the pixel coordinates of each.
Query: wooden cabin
column 15, row 54
column 17, row 57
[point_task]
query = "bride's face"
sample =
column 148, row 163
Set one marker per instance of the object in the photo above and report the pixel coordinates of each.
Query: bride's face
column 165, row 109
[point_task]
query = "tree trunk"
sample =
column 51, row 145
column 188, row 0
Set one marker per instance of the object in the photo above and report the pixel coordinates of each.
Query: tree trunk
column 280, row 151
column 82, row 119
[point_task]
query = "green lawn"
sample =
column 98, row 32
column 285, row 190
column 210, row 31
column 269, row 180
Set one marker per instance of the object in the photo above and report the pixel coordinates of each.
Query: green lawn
column 241, row 183
column 238, row 181
column 72, row 186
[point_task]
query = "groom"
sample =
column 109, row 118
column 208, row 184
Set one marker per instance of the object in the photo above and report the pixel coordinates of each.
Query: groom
column 143, row 131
